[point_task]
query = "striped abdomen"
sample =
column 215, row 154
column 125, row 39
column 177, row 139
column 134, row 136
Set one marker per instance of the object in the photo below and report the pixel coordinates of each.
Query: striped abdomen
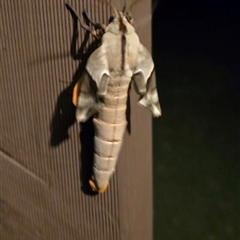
column 110, row 124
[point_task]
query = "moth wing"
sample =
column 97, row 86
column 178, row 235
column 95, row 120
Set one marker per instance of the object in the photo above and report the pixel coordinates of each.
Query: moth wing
column 85, row 98
column 145, row 82
column 97, row 67
column 144, row 63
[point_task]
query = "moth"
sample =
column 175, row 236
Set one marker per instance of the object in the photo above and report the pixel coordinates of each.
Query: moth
column 102, row 90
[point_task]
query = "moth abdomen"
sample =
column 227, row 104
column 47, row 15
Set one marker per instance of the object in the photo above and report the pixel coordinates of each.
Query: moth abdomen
column 109, row 131
column 110, row 124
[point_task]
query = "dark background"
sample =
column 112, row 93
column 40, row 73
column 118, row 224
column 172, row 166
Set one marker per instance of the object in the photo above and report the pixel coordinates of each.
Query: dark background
column 196, row 141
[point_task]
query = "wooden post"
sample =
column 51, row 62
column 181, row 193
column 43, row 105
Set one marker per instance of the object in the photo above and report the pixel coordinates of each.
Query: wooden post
column 41, row 156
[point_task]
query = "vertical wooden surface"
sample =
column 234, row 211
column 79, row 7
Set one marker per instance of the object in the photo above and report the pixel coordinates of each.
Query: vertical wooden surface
column 42, row 163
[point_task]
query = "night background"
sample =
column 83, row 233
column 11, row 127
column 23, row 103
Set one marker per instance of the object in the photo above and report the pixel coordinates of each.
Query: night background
column 196, row 141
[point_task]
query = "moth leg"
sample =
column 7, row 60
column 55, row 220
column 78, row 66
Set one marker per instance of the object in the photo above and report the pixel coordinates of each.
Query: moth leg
column 86, row 27
column 73, row 12
column 83, row 25
column 95, row 188
column 96, row 25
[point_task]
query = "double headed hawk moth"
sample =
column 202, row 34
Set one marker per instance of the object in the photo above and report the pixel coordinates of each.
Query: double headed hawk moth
column 102, row 90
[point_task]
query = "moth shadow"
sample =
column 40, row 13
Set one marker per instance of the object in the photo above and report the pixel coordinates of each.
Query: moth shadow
column 86, row 155
column 64, row 112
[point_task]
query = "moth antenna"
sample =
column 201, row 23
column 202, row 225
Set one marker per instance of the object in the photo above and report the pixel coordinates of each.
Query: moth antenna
column 115, row 11
column 111, row 6
column 127, row 13
column 124, row 7
column 129, row 6
column 85, row 26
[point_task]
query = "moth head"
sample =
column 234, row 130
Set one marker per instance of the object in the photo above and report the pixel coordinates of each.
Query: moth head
column 119, row 23
column 126, row 12
column 123, row 15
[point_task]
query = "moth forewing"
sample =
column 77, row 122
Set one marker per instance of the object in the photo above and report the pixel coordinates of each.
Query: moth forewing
column 120, row 59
